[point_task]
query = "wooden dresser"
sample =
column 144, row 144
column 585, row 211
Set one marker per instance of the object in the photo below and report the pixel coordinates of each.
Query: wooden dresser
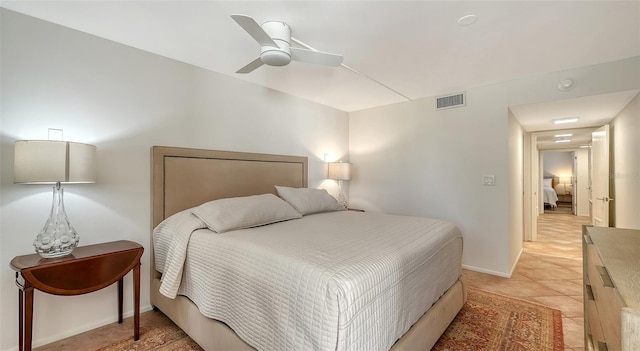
column 611, row 259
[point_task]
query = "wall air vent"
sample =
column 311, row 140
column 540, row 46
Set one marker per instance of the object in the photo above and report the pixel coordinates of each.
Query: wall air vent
column 450, row 101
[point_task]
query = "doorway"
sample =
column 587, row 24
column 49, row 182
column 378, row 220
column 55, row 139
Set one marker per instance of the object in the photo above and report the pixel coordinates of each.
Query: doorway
column 558, row 174
column 541, row 133
column 566, row 171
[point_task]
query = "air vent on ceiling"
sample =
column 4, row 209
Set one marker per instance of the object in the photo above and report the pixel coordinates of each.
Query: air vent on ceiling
column 450, row 101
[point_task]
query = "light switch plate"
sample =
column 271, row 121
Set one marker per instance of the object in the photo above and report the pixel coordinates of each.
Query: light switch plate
column 489, row 180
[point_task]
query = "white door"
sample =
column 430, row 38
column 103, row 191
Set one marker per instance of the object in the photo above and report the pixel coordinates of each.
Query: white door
column 574, row 184
column 530, row 184
column 599, row 195
column 536, row 175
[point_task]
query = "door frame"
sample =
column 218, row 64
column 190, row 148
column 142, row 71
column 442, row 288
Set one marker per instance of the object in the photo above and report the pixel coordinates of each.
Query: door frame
column 530, row 184
column 532, row 187
column 599, row 194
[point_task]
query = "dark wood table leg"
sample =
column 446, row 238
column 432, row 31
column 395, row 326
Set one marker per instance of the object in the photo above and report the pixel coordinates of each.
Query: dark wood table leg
column 28, row 316
column 136, row 302
column 120, row 298
column 20, row 319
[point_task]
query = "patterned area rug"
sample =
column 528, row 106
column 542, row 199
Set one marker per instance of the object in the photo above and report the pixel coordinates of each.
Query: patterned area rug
column 161, row 338
column 490, row 321
column 487, row 322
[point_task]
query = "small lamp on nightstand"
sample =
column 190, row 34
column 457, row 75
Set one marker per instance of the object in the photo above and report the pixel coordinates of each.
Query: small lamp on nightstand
column 567, row 184
column 340, row 171
column 54, row 162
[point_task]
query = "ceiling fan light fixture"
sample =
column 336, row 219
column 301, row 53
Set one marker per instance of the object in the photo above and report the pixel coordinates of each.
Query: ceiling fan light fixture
column 274, row 38
column 280, row 33
column 275, row 57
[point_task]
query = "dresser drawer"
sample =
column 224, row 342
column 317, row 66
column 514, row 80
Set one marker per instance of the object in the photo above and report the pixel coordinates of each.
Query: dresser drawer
column 594, row 272
column 592, row 260
column 607, row 301
column 610, row 310
column 592, row 318
column 608, row 304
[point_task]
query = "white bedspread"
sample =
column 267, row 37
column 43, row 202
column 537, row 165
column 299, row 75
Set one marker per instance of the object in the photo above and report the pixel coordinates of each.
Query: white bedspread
column 550, row 196
column 332, row 281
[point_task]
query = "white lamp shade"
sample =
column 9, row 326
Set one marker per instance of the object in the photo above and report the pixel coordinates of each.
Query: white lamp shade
column 340, row 171
column 565, row 180
column 49, row 161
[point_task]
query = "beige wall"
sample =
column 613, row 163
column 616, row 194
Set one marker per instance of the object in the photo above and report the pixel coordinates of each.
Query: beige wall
column 411, row 159
column 625, row 132
column 557, row 163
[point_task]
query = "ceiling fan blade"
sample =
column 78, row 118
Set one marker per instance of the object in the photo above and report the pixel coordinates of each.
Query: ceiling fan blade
column 251, row 66
column 253, row 28
column 317, row 57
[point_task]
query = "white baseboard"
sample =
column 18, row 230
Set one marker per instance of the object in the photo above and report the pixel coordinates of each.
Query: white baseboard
column 487, row 271
column 499, row 274
column 84, row 328
column 515, row 263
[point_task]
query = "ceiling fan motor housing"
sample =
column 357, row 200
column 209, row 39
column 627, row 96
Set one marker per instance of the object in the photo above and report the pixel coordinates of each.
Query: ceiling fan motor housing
column 280, row 33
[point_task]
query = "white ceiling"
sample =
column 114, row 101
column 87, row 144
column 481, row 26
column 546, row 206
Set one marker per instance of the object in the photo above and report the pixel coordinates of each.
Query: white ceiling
column 579, row 138
column 413, row 47
column 592, row 111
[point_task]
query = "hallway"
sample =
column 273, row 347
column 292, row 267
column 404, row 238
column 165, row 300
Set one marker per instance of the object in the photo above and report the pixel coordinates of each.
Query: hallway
column 549, row 272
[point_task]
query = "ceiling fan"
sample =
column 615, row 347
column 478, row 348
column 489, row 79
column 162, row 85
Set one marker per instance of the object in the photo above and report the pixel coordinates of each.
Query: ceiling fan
column 275, row 39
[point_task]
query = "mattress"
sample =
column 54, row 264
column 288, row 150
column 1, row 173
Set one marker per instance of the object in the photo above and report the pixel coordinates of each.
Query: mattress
column 550, row 196
column 331, row 281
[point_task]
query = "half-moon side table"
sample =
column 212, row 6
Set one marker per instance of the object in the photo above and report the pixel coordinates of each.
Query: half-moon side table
column 89, row 268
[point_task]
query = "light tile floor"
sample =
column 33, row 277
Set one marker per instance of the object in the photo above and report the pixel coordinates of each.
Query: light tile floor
column 548, row 272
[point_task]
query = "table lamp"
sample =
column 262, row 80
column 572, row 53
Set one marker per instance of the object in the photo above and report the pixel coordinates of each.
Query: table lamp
column 567, row 184
column 54, row 162
column 340, row 171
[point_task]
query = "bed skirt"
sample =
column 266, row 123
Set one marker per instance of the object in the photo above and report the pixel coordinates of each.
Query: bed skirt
column 214, row 335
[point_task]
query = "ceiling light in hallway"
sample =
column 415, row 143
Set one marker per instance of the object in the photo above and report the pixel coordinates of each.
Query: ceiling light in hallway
column 467, row 20
column 565, row 120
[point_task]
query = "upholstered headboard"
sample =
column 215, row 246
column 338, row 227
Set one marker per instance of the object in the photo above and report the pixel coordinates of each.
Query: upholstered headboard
column 554, row 180
column 183, row 178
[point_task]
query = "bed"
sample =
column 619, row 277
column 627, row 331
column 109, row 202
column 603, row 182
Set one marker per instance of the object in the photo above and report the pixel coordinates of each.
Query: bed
column 549, row 192
column 187, row 178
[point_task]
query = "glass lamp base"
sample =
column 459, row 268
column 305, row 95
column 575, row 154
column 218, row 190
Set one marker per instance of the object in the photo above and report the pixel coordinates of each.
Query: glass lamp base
column 55, row 252
column 57, row 238
column 340, row 196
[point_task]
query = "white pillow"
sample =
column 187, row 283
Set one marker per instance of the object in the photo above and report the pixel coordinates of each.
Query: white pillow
column 244, row 212
column 547, row 182
column 308, row 201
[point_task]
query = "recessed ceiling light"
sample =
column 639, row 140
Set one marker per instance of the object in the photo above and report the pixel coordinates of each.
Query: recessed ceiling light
column 467, row 20
column 562, row 135
column 565, row 84
column 563, row 141
column 565, row 120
